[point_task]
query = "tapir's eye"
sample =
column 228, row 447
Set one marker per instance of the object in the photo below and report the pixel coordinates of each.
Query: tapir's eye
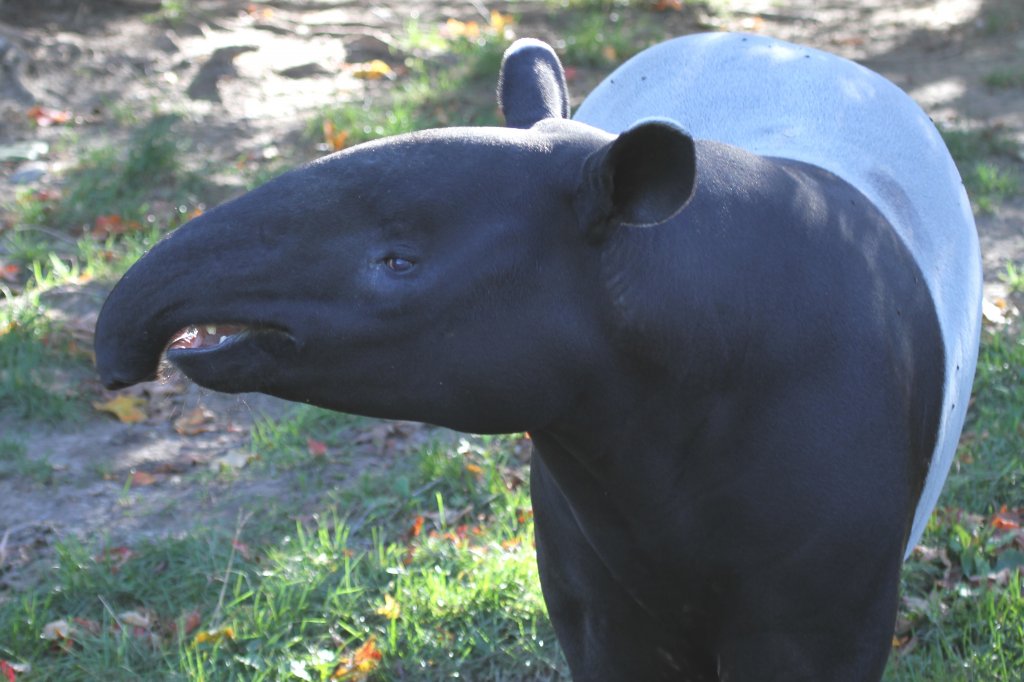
column 398, row 264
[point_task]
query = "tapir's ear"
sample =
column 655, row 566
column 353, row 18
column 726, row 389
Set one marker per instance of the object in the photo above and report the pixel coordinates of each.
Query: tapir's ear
column 531, row 84
column 642, row 178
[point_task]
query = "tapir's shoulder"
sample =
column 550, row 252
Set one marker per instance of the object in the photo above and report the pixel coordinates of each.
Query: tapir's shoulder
column 776, row 99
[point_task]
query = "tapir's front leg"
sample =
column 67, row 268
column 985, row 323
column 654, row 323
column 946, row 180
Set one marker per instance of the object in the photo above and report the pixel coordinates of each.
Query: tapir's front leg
column 590, row 609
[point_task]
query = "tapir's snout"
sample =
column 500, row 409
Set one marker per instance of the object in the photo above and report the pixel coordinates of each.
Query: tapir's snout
column 181, row 300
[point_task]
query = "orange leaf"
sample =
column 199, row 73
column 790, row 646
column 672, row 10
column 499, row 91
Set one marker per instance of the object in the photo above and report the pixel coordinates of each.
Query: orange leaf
column 142, row 478
column 316, row 448
column 358, row 664
column 1004, row 520
column 45, row 116
column 417, row 526
column 9, row 272
column 453, row 28
column 127, row 408
column 335, row 139
column 475, row 469
column 106, row 225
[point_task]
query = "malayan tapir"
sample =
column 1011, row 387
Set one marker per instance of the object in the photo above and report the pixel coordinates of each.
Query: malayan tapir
column 735, row 301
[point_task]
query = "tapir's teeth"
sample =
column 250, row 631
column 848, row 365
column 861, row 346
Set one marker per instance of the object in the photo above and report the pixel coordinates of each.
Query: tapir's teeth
column 204, row 336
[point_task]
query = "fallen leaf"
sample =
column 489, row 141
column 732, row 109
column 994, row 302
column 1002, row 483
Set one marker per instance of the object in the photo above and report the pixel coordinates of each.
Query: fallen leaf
column 215, row 635
column 373, row 70
column 45, row 116
column 236, row 459
column 127, row 408
column 665, row 5
column 92, row 627
column 136, row 619
column 475, row 469
column 334, row 139
column 192, row 621
column 316, row 448
column 107, row 225
column 9, row 272
column 1003, row 523
column 142, row 478
column 242, row 549
column 259, row 12
column 195, row 421
column 993, row 312
column 391, row 608
column 453, row 28
column 116, row 556
column 417, row 527
column 500, row 21
column 57, row 630
column 357, row 665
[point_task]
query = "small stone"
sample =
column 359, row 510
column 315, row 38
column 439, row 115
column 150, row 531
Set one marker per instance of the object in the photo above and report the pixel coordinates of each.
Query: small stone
column 27, row 173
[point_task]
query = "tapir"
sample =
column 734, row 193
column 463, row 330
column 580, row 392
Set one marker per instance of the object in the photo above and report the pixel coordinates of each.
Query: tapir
column 735, row 301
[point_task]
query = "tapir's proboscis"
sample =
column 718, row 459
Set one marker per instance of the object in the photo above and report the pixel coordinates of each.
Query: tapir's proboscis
column 735, row 301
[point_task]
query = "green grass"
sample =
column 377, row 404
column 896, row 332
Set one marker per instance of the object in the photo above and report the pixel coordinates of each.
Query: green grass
column 449, row 81
column 54, row 244
column 463, row 590
column 1005, row 78
column 35, row 366
column 988, row 165
column 1013, row 277
column 963, row 620
column 109, row 181
column 17, row 465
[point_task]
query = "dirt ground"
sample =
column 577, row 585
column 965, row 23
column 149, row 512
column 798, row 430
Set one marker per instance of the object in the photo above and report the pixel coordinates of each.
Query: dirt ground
column 248, row 81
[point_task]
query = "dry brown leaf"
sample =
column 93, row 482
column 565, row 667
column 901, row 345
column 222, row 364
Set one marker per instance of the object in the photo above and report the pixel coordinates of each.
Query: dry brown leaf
column 136, row 619
column 57, row 630
column 127, row 408
column 142, row 478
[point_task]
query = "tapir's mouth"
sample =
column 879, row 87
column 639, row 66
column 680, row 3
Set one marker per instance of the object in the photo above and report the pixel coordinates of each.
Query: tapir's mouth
column 207, row 337
column 231, row 357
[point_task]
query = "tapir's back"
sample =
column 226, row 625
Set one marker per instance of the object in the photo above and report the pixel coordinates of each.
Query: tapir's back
column 778, row 99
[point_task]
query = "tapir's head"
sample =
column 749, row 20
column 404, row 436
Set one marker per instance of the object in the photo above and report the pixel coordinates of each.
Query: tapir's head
column 449, row 276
